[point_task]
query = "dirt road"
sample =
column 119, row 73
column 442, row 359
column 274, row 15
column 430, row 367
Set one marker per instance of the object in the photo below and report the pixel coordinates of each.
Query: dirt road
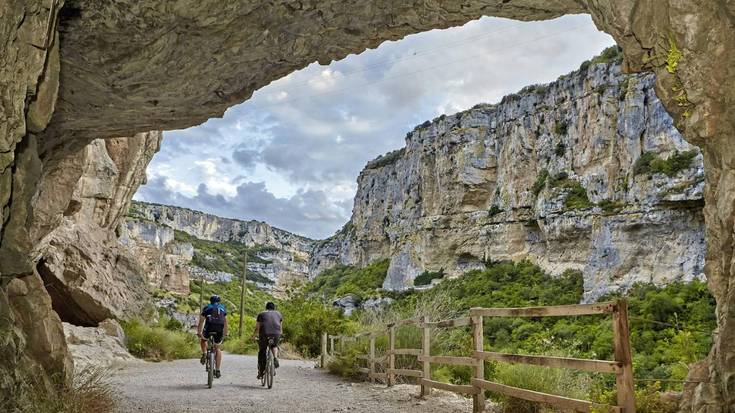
column 179, row 386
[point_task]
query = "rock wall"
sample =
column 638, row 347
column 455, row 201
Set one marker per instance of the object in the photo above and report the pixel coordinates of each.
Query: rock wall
column 283, row 256
column 495, row 182
column 130, row 67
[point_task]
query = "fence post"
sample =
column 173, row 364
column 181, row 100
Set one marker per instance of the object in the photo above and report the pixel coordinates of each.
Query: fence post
column 331, row 346
column 372, row 359
column 391, row 356
column 478, row 400
column 324, row 349
column 426, row 351
column 624, row 378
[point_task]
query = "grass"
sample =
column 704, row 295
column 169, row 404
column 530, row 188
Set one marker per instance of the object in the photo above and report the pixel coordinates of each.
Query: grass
column 90, row 391
column 576, row 197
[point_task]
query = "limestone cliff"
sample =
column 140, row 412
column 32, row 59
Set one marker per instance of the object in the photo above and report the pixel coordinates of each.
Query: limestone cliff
column 279, row 257
column 571, row 175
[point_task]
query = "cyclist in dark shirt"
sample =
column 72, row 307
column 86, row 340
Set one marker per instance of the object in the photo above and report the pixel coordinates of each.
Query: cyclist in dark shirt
column 267, row 325
column 213, row 319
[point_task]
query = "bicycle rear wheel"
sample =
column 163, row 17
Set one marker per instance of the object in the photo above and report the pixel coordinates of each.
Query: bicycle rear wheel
column 210, row 370
column 269, row 370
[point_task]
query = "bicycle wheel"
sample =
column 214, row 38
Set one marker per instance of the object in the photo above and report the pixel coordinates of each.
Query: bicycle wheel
column 210, row 370
column 269, row 370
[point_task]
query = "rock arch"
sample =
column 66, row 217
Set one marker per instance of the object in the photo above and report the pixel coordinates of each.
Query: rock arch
column 88, row 69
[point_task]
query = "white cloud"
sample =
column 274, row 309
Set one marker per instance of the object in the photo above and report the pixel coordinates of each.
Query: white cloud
column 305, row 137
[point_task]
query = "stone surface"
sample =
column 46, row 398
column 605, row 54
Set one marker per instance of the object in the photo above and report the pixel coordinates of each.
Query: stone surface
column 461, row 192
column 129, row 67
column 101, row 346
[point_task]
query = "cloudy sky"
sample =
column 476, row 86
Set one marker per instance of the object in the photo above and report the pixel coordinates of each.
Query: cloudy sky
column 290, row 155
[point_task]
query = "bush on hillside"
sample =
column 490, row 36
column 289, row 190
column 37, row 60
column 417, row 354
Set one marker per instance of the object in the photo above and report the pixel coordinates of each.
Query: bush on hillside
column 343, row 279
column 154, row 342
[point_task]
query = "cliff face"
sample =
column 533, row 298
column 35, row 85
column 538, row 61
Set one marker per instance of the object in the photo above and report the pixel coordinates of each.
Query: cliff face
column 586, row 173
column 281, row 257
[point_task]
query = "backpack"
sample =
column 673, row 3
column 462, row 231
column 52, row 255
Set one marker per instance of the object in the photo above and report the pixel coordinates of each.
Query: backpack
column 216, row 314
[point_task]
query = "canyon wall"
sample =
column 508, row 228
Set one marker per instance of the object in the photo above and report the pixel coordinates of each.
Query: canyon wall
column 562, row 174
column 123, row 68
column 279, row 258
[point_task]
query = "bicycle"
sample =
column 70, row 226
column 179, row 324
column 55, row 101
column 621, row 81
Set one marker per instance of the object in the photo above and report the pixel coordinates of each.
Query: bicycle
column 210, row 360
column 270, row 368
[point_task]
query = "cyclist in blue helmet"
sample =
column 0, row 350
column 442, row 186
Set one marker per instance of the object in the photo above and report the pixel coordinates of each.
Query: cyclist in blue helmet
column 213, row 321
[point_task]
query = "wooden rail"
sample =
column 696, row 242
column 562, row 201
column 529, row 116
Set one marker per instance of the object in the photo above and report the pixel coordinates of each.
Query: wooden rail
column 622, row 365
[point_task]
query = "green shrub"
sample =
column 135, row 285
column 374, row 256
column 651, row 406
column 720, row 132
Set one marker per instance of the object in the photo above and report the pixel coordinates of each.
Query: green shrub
column 563, row 382
column 494, row 210
column 425, row 277
column 540, row 182
column 609, row 206
column 343, row 279
column 577, row 197
column 675, row 163
column 156, row 343
column 390, row 157
column 651, row 163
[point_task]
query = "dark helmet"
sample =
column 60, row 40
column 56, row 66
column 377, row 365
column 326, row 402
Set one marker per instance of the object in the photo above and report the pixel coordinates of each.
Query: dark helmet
column 214, row 299
column 270, row 306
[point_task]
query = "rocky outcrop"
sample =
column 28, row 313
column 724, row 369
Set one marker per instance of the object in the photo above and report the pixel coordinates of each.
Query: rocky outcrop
column 282, row 257
column 116, row 79
column 100, row 347
column 559, row 174
column 89, row 276
column 165, row 261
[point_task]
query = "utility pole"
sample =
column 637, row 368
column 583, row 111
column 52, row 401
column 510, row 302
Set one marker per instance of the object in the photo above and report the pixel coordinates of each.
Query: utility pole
column 201, row 292
column 242, row 291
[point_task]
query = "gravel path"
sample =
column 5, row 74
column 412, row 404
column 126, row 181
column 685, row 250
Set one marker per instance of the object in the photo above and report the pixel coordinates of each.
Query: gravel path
column 180, row 386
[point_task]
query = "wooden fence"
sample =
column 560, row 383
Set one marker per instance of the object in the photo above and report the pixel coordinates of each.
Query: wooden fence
column 621, row 366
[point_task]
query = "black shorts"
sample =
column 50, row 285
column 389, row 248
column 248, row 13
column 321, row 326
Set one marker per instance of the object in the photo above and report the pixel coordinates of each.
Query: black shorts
column 263, row 340
column 217, row 331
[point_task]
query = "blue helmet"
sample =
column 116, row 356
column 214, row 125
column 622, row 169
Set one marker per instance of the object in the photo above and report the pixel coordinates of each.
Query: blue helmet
column 214, row 299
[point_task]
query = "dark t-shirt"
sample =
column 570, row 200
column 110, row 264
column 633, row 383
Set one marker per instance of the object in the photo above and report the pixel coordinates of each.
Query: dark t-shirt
column 270, row 323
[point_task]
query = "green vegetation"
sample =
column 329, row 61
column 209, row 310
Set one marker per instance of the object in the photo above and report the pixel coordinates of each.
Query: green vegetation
column 670, row 328
column 576, row 196
column 651, row 163
column 611, row 54
column 160, row 341
column 342, row 280
column 673, row 56
column 540, row 182
column 390, row 157
column 560, row 128
column 609, row 206
column 425, row 277
column 226, row 256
